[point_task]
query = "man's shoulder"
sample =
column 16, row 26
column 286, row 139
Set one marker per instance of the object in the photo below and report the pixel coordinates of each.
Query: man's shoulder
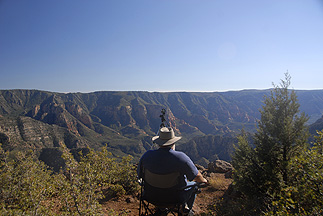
column 180, row 154
column 149, row 152
column 160, row 153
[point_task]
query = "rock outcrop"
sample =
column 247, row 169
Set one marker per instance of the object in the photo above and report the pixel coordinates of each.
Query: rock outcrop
column 219, row 166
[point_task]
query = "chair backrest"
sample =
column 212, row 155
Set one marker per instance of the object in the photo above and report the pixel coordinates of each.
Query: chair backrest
column 164, row 181
column 160, row 190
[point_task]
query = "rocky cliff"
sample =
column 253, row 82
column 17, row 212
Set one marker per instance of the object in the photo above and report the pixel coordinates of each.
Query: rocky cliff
column 125, row 121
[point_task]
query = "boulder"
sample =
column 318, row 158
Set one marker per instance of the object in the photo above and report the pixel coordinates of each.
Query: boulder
column 219, row 166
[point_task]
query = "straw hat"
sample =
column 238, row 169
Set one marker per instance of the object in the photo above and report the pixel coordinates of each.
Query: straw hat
column 166, row 137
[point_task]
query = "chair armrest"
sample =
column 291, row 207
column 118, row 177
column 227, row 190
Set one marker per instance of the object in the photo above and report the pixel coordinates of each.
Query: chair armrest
column 198, row 184
column 140, row 181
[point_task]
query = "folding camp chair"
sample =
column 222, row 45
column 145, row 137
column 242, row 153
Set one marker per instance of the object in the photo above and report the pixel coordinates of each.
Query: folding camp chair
column 160, row 194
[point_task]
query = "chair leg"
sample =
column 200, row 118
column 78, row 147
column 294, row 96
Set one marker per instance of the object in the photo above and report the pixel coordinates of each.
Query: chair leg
column 140, row 206
column 144, row 209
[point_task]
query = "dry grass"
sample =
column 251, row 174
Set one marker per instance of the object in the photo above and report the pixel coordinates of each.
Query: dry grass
column 218, row 182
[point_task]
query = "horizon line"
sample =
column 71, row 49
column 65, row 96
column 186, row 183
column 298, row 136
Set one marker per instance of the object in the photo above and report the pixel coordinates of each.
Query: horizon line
column 154, row 91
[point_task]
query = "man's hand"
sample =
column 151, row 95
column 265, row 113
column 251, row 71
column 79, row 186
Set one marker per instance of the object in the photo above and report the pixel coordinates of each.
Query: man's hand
column 199, row 178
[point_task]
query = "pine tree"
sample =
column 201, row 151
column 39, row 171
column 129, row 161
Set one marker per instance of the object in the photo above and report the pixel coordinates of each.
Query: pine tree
column 262, row 172
column 281, row 133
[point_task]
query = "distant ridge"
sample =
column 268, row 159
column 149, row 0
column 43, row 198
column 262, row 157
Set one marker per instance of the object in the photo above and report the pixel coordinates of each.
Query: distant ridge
column 126, row 120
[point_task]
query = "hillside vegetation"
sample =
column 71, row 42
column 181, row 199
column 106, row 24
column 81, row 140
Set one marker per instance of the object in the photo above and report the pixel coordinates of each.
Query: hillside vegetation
column 28, row 187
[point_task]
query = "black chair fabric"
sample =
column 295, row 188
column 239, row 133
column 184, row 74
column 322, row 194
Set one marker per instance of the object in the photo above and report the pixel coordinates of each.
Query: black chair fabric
column 161, row 190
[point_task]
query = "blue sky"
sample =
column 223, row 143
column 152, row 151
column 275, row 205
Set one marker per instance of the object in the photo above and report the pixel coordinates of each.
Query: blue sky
column 160, row 45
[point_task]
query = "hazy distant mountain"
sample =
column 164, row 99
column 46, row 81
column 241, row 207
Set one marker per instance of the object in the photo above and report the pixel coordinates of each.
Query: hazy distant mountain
column 316, row 126
column 125, row 121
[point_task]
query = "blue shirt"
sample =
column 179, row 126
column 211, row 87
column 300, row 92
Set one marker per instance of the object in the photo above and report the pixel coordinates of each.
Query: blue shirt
column 167, row 160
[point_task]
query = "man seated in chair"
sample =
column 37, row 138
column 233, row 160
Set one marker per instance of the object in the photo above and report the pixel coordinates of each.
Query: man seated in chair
column 166, row 160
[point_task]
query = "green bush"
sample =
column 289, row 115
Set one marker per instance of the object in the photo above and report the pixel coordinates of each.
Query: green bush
column 28, row 187
column 26, row 184
column 304, row 196
column 78, row 185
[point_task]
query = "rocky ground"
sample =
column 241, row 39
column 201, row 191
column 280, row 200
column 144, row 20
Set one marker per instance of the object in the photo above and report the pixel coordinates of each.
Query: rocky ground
column 205, row 201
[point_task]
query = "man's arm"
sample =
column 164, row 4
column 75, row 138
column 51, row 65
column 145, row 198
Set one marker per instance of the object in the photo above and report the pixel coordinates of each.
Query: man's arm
column 199, row 178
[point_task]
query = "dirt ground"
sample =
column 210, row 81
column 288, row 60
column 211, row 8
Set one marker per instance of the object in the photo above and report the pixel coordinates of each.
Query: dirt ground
column 129, row 205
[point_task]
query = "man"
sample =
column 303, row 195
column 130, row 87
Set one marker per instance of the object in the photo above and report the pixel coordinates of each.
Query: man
column 166, row 160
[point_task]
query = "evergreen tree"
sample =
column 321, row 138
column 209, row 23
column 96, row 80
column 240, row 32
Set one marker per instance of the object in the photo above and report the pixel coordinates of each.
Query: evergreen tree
column 261, row 172
column 281, row 133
